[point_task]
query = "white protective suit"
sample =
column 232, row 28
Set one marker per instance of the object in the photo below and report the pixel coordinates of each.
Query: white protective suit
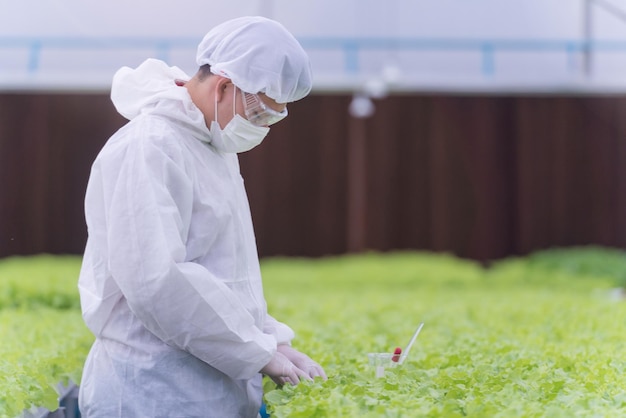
column 170, row 283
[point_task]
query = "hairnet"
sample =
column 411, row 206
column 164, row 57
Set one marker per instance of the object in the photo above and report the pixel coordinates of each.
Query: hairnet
column 258, row 55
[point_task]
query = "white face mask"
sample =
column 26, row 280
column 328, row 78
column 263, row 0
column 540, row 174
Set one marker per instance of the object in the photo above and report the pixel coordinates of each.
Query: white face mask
column 239, row 135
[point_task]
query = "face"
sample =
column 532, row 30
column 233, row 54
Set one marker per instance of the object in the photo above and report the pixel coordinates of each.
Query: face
column 221, row 92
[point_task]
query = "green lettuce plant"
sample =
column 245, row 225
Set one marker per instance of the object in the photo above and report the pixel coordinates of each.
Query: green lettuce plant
column 504, row 343
column 532, row 336
column 40, row 280
column 41, row 348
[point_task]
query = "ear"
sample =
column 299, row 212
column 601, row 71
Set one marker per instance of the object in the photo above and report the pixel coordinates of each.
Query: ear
column 220, row 87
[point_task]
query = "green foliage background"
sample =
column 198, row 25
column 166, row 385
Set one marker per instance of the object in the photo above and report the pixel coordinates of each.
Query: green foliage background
column 534, row 336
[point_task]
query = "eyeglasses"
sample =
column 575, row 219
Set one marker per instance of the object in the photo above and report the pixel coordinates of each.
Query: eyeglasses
column 258, row 112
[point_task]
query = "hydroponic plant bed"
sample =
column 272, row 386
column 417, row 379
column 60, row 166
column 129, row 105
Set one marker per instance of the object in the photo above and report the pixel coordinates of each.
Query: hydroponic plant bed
column 537, row 336
column 44, row 340
column 532, row 337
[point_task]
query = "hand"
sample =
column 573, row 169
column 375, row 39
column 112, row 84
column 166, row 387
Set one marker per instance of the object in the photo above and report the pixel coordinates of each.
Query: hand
column 282, row 371
column 302, row 362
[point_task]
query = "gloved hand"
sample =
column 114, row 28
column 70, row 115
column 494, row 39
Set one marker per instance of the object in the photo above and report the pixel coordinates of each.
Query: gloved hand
column 302, row 361
column 282, row 371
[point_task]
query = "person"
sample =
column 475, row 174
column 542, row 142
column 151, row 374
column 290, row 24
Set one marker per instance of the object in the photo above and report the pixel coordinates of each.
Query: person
column 170, row 283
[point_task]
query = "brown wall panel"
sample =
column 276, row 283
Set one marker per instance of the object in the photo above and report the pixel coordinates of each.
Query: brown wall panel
column 570, row 168
column 47, row 145
column 483, row 177
column 296, row 181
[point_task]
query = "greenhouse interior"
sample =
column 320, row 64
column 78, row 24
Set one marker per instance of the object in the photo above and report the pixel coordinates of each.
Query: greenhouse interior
column 439, row 222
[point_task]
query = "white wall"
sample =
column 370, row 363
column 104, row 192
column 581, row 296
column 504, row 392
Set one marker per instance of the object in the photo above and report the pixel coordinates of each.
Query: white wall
column 400, row 44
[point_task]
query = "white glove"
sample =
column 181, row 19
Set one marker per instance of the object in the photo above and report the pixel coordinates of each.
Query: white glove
column 282, row 371
column 302, row 362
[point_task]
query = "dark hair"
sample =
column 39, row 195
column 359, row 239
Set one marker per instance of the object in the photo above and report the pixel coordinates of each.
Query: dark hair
column 204, row 72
